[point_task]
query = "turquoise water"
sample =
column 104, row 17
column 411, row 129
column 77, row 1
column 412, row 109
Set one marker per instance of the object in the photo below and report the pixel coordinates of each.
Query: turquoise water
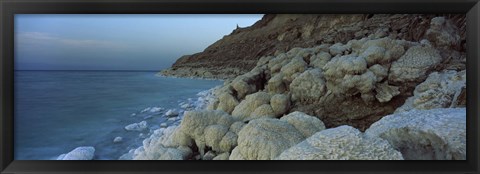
column 57, row 111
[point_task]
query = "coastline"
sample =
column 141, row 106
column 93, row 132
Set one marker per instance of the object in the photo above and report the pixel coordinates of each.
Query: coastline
column 130, row 133
column 374, row 97
column 201, row 103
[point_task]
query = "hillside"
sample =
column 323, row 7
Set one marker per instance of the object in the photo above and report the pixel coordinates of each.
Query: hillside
column 237, row 53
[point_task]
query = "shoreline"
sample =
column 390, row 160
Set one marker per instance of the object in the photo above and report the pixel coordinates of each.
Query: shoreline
column 159, row 74
column 201, row 103
column 158, row 118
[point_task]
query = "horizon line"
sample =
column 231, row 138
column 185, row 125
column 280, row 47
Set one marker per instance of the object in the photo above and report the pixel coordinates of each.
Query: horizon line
column 80, row 70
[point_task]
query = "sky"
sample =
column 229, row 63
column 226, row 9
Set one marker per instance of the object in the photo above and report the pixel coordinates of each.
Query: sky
column 117, row 42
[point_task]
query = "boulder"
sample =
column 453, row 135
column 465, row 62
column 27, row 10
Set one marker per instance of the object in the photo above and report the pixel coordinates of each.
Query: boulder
column 79, row 153
column 341, row 143
column 348, row 75
column 309, row 86
column 439, row 90
column 436, row 134
column 264, row 110
column 379, row 71
column 276, row 84
column 141, row 126
column 296, row 65
column 338, row 49
column 227, row 102
column 280, row 104
column 443, row 33
column 223, row 156
column 208, row 129
column 386, row 92
column 209, row 155
column 171, row 113
column 379, row 51
column 249, row 82
column 163, row 144
column 319, row 60
column 117, row 139
column 163, row 125
column 162, row 153
column 213, row 136
column 265, row 138
column 237, row 126
column 306, row 124
column 246, row 107
column 414, row 64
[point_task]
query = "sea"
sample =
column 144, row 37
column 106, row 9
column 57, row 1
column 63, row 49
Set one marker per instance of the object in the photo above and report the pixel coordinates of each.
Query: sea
column 57, row 111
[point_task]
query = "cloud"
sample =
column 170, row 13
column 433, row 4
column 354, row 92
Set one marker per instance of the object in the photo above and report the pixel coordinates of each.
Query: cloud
column 35, row 38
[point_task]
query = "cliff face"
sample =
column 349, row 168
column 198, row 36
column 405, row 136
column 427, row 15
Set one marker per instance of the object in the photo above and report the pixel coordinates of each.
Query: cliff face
column 238, row 53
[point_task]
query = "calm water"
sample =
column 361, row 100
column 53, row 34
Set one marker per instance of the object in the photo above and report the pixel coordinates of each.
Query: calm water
column 57, row 111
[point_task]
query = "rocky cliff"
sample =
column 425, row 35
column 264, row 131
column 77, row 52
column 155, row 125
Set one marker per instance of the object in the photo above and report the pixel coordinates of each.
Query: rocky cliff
column 237, row 53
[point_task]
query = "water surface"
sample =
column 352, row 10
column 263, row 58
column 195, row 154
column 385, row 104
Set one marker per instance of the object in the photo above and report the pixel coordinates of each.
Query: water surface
column 57, row 111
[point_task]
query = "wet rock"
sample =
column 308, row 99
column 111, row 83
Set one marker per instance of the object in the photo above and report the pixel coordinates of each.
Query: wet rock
column 79, row 153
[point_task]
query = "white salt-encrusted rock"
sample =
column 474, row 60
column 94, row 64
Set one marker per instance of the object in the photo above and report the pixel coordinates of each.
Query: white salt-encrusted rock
column 163, row 125
column 208, row 128
column 414, row 64
column 246, row 107
column 117, row 139
column 348, row 75
column 247, row 83
column 141, row 126
column 320, row 59
column 161, row 145
column 338, row 49
column 296, row 65
column 440, row 90
column 309, row 86
column 264, row 110
column 280, row 104
column 385, row 92
column 223, row 156
column 171, row 113
column 436, row 134
column 278, row 62
column 79, row 153
column 227, row 102
column 156, row 109
column 266, row 138
column 306, row 124
column 378, row 51
column 341, row 143
column 162, row 153
column 276, row 84
column 60, row 157
column 443, row 33
column 237, row 126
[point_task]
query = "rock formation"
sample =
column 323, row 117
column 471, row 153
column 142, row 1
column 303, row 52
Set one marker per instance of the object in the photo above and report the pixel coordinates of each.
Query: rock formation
column 437, row 134
column 308, row 86
column 341, row 143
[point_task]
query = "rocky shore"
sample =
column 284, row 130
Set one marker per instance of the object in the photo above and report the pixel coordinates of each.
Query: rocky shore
column 340, row 87
column 375, row 95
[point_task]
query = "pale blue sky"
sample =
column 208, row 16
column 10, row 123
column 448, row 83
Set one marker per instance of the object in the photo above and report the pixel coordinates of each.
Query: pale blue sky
column 116, row 42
